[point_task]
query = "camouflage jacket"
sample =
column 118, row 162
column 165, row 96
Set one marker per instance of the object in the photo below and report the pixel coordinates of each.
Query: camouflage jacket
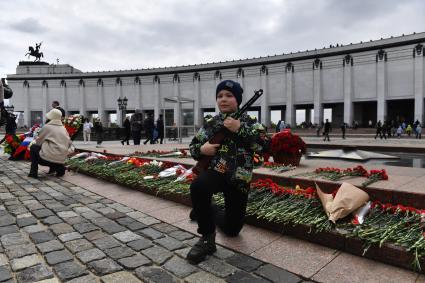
column 235, row 155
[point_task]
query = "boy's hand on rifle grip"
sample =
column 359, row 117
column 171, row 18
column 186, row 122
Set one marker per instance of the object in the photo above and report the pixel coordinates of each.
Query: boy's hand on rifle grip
column 209, row 149
column 232, row 124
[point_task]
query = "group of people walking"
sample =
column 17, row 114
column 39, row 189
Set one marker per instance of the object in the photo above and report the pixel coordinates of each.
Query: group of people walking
column 392, row 129
column 134, row 126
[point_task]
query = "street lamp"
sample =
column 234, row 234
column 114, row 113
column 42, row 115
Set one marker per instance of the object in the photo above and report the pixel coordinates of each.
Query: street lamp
column 122, row 105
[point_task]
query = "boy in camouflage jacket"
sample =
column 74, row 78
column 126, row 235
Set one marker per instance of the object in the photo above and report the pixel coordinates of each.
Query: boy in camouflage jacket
column 230, row 170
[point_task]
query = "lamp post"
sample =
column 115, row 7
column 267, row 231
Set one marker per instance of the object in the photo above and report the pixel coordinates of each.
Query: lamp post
column 122, row 105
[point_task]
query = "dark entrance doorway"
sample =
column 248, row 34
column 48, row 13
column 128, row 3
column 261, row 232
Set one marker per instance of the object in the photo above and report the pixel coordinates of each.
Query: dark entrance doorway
column 401, row 110
column 365, row 112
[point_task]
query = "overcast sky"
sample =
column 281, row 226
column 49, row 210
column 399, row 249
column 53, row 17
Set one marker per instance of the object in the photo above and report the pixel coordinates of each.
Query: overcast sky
column 111, row 35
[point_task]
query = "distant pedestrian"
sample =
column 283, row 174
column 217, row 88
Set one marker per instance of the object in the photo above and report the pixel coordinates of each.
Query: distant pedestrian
column 328, row 128
column 419, row 131
column 277, row 130
column 149, row 127
column 127, row 131
column 98, row 129
column 87, row 130
column 343, row 128
column 136, row 126
column 282, row 126
column 160, row 129
column 399, row 131
column 409, row 130
column 378, row 130
column 55, row 105
column 384, row 130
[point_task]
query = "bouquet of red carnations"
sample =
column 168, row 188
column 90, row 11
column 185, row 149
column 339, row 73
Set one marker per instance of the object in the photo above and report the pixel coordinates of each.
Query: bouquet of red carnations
column 287, row 142
column 73, row 124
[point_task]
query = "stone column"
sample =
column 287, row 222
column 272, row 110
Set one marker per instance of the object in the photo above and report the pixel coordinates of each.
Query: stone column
column 82, row 95
column 64, row 97
column 381, row 85
column 307, row 115
column 217, row 79
column 317, row 91
column 101, row 103
column 197, row 113
column 27, row 110
column 45, row 95
column 138, row 92
column 118, row 94
column 290, row 108
column 419, row 82
column 265, row 111
column 176, row 94
column 348, row 89
column 157, row 94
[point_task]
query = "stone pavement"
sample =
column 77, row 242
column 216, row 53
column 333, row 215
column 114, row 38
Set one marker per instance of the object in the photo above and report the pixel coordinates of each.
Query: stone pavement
column 52, row 230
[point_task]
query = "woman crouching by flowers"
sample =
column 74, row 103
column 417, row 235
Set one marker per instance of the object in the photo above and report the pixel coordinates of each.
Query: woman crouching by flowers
column 51, row 146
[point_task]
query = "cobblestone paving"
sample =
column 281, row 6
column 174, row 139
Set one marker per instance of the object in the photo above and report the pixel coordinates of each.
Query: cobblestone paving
column 54, row 231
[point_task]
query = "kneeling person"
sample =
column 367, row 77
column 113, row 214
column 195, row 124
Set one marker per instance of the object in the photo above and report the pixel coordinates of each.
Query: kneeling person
column 230, row 170
column 51, row 146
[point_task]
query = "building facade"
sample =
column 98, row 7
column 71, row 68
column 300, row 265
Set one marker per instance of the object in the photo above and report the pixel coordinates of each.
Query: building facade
column 368, row 81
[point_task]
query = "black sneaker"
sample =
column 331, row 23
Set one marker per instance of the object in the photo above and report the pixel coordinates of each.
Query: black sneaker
column 193, row 215
column 205, row 246
column 31, row 175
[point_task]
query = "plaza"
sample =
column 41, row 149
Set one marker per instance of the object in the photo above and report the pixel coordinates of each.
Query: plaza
column 84, row 229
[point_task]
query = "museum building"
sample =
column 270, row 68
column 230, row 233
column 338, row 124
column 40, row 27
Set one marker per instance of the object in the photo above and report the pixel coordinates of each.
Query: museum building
column 366, row 81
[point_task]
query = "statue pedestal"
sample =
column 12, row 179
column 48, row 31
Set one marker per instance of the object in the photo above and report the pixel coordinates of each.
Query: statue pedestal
column 32, row 63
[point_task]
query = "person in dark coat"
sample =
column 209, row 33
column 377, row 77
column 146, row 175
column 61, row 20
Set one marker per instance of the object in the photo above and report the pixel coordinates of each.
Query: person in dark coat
column 149, row 127
column 328, row 128
column 136, row 125
column 343, row 128
column 378, row 130
column 55, row 105
column 98, row 129
column 127, row 131
column 160, row 129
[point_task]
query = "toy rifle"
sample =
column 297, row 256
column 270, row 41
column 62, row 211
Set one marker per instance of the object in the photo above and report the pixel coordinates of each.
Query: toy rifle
column 219, row 137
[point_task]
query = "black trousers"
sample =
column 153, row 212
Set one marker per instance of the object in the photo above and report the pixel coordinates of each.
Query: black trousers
column 160, row 137
column 137, row 135
column 149, row 137
column 126, row 138
column 201, row 192
column 37, row 160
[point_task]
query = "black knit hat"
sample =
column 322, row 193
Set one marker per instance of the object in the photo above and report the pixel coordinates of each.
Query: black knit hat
column 232, row 86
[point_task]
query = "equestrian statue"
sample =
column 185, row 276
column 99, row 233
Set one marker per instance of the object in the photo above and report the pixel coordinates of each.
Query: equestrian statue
column 35, row 52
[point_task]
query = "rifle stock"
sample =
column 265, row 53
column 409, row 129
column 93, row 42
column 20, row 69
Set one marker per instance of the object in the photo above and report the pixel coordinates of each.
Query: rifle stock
column 219, row 137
